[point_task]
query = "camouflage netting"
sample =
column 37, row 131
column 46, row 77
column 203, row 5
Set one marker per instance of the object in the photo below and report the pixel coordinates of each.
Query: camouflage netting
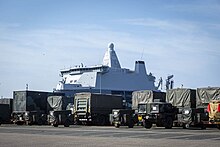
column 205, row 95
column 181, row 97
column 146, row 96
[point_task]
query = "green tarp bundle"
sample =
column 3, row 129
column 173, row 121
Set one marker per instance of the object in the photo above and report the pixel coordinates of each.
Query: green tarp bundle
column 146, row 96
column 57, row 103
column 181, row 97
column 205, row 95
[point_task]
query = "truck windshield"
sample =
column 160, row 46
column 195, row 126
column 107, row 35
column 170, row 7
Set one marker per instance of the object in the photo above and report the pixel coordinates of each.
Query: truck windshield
column 142, row 108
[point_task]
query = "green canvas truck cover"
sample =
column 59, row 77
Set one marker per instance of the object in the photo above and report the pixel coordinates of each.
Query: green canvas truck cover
column 98, row 102
column 146, row 96
column 205, row 95
column 8, row 101
column 181, row 97
column 57, row 103
column 4, row 113
column 31, row 100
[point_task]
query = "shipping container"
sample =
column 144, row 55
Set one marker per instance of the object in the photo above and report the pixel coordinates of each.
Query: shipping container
column 95, row 108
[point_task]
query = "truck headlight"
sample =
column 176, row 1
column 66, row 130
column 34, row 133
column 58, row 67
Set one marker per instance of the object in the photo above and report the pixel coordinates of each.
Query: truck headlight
column 26, row 113
column 51, row 113
column 186, row 112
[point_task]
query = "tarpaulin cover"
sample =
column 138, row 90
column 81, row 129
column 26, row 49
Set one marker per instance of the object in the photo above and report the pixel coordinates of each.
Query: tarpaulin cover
column 146, row 96
column 57, row 103
column 205, row 95
column 181, row 97
column 31, row 100
column 7, row 101
column 5, row 113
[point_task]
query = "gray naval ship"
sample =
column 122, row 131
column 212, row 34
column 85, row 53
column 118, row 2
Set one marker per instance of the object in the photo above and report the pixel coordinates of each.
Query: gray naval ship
column 108, row 78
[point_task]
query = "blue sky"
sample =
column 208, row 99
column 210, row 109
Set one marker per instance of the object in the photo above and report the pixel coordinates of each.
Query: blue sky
column 40, row 37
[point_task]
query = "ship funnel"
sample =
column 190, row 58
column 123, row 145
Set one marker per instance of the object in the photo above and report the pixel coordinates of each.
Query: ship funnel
column 140, row 67
column 110, row 59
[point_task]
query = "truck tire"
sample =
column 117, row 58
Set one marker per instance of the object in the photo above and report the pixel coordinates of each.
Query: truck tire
column 147, row 125
column 40, row 122
column 67, row 123
column 185, row 126
column 20, row 123
column 101, row 120
column 168, row 123
column 218, row 126
column 117, row 125
column 0, row 120
column 131, row 125
column 203, row 127
column 55, row 125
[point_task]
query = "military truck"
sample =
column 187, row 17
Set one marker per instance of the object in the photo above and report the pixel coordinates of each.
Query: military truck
column 93, row 108
column 142, row 99
column 61, row 110
column 160, row 113
column 207, row 100
column 4, row 113
column 184, row 99
column 30, row 107
column 123, row 117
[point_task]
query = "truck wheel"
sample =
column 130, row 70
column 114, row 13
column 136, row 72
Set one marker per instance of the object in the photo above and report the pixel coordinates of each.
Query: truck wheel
column 67, row 123
column 131, row 125
column 117, row 125
column 40, row 122
column 101, row 121
column 218, row 126
column 28, row 123
column 148, row 125
column 55, row 125
column 168, row 123
column 185, row 126
column 19, row 123
column 203, row 127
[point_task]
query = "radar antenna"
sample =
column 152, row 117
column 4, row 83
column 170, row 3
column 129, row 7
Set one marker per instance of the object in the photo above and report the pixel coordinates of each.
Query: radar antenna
column 160, row 84
column 169, row 82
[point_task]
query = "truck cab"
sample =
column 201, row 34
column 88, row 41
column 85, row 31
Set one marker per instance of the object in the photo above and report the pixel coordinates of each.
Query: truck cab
column 159, row 113
column 125, row 117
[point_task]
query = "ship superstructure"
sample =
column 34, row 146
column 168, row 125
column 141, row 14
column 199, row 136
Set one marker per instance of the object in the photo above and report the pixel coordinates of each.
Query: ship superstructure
column 108, row 77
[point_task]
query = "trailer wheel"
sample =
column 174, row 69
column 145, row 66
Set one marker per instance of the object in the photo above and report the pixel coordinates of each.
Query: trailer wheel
column 55, row 125
column 117, row 125
column 185, row 126
column 168, row 123
column 203, row 127
column 147, row 125
column 218, row 126
column 20, row 123
column 101, row 120
column 131, row 124
column 40, row 122
column 67, row 123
